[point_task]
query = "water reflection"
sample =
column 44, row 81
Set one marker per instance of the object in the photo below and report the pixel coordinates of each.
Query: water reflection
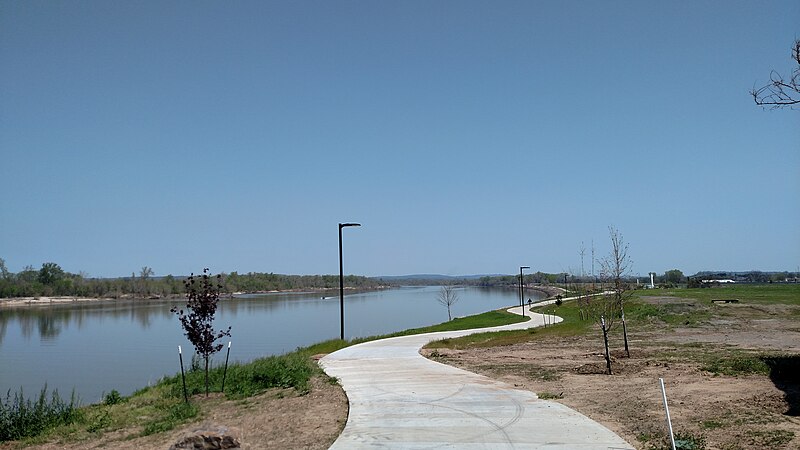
column 50, row 320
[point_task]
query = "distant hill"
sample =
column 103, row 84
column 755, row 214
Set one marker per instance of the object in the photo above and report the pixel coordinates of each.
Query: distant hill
column 428, row 277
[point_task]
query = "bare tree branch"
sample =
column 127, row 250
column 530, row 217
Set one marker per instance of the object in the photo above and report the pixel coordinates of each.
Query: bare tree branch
column 780, row 92
column 447, row 297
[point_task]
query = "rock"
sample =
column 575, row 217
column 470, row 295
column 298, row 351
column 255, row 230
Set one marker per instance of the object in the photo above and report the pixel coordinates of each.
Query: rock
column 209, row 437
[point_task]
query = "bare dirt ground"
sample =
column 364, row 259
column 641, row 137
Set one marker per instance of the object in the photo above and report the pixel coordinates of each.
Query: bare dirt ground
column 719, row 411
column 278, row 419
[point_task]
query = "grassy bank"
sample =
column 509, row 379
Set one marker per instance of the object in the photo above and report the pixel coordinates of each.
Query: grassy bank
column 572, row 325
column 161, row 407
column 640, row 311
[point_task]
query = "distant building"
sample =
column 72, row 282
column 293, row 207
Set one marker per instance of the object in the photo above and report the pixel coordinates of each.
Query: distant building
column 718, row 281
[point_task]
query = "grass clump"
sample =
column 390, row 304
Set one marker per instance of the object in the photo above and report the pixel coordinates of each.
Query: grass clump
column 113, row 398
column 770, row 439
column 550, row 396
column 177, row 414
column 734, row 365
column 683, row 441
column 22, row 418
column 292, row 370
column 688, row 441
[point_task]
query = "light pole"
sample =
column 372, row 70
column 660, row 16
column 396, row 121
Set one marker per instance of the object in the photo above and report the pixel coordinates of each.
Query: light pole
column 341, row 276
column 521, row 291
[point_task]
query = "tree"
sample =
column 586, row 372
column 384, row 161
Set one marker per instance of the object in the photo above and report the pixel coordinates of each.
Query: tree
column 202, row 296
column 28, row 274
column 447, row 297
column 50, row 273
column 603, row 309
column 144, row 274
column 614, row 268
column 780, row 92
column 673, row 276
column 4, row 273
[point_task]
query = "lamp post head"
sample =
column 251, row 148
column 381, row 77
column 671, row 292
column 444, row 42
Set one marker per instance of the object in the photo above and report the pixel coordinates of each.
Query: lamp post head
column 523, row 267
column 342, row 225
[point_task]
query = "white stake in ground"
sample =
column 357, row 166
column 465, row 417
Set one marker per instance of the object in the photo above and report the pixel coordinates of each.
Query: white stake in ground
column 666, row 410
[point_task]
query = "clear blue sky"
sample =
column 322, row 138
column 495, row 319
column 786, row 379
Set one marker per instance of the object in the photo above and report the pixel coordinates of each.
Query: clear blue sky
column 467, row 137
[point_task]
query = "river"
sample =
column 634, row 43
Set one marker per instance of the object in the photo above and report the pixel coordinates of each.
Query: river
column 95, row 347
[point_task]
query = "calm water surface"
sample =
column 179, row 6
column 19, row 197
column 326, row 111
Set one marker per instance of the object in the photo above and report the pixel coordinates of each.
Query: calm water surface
column 126, row 345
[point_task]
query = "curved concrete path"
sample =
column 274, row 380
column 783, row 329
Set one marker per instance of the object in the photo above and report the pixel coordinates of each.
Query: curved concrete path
column 399, row 399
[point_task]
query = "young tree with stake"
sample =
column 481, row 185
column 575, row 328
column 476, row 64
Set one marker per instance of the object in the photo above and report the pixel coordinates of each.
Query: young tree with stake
column 614, row 268
column 447, row 297
column 202, row 296
column 603, row 310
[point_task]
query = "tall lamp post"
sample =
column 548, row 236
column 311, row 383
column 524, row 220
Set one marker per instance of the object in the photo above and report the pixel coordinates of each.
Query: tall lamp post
column 521, row 292
column 341, row 276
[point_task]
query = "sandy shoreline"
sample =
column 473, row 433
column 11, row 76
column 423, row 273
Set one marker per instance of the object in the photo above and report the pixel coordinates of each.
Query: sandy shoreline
column 21, row 302
column 40, row 301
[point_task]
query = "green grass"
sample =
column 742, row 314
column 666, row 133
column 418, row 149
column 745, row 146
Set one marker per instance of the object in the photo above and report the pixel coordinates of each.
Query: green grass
column 292, row 370
column 770, row 439
column 697, row 310
column 695, row 307
column 736, row 364
column 571, row 326
column 712, row 424
column 760, row 294
column 177, row 414
column 550, row 396
column 679, row 313
column 483, row 320
column 22, row 417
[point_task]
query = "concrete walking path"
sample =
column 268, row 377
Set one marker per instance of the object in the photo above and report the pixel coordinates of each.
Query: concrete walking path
column 399, row 399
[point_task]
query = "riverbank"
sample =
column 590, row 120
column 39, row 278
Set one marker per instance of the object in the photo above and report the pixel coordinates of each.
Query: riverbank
column 549, row 291
column 42, row 301
column 21, row 302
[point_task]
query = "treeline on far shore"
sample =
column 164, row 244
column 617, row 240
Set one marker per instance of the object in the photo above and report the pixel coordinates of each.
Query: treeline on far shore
column 51, row 280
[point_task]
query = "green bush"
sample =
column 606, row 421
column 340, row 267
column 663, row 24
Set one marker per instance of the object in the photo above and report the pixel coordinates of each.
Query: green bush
column 21, row 417
column 113, row 398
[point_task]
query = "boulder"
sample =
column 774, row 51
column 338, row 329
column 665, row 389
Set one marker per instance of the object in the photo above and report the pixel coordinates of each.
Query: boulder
column 208, row 437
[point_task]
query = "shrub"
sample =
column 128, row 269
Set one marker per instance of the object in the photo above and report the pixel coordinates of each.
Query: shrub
column 113, row 398
column 21, row 417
